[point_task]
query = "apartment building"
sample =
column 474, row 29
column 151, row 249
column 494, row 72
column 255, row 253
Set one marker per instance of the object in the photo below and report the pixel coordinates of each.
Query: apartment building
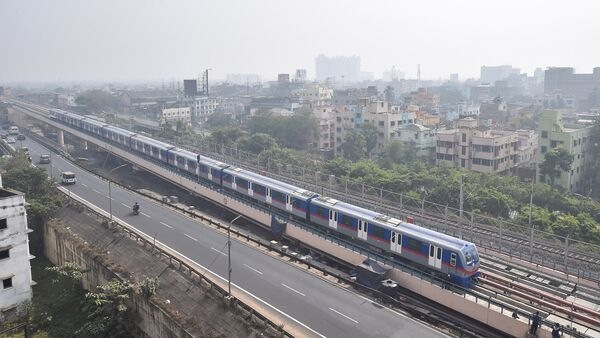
column 346, row 118
column 173, row 115
column 15, row 271
column 423, row 139
column 477, row 148
column 325, row 138
column 574, row 138
column 387, row 119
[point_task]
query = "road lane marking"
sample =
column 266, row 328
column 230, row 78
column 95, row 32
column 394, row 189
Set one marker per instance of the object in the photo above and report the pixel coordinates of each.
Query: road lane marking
column 296, row 291
column 219, row 251
column 343, row 315
column 165, row 224
column 253, row 269
column 190, row 237
column 97, row 191
column 85, row 185
column 110, row 198
column 125, row 205
column 145, row 214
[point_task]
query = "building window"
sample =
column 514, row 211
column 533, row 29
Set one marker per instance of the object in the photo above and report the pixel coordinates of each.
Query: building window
column 381, row 123
column 553, row 144
column 462, row 162
column 544, row 134
column 393, row 123
column 464, row 137
column 3, row 223
column 464, row 151
column 544, row 149
column 4, row 253
column 7, row 283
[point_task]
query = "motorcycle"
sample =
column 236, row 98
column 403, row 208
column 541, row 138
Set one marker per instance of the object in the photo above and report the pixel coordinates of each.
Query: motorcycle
column 135, row 211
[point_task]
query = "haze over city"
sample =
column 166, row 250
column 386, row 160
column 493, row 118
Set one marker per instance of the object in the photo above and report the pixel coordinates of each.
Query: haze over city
column 152, row 40
column 317, row 168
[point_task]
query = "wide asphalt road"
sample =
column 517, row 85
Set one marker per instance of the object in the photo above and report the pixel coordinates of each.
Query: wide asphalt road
column 327, row 310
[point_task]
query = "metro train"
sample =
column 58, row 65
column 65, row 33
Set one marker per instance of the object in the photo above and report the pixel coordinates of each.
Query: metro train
column 437, row 252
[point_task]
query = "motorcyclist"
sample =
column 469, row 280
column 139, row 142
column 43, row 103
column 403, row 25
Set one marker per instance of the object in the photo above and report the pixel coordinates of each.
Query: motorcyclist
column 136, row 208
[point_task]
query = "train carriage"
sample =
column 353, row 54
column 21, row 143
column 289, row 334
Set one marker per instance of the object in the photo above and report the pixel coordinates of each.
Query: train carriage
column 185, row 160
column 118, row 135
column 93, row 126
column 211, row 169
column 151, row 147
column 281, row 195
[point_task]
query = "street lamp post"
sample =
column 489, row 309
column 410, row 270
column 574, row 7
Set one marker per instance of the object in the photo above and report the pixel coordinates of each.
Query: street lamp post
column 110, row 191
column 229, row 256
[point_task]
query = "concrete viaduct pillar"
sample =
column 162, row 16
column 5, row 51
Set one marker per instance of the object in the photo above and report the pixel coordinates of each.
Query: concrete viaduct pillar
column 61, row 138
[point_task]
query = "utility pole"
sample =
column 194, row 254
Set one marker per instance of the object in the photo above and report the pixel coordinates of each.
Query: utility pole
column 531, row 211
column 461, row 204
column 229, row 256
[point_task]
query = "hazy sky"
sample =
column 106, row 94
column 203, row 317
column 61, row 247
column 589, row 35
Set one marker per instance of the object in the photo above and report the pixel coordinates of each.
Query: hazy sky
column 63, row 40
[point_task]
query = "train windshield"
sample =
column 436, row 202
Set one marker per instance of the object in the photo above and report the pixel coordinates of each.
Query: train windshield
column 471, row 256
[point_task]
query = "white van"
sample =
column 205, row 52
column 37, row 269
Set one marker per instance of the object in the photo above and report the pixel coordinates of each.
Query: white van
column 13, row 130
column 68, row 177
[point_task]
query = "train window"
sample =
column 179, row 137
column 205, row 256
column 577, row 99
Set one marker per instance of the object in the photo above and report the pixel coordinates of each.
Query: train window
column 431, row 251
column 241, row 182
column 468, row 258
column 226, row 177
column 439, row 253
column 346, row 220
column 453, row 259
column 203, row 168
column 393, row 237
column 278, row 196
column 321, row 211
column 377, row 231
column 414, row 244
column 297, row 203
column 259, row 189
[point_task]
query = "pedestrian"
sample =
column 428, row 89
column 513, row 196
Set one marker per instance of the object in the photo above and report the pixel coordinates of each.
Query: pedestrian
column 515, row 315
column 556, row 331
column 536, row 320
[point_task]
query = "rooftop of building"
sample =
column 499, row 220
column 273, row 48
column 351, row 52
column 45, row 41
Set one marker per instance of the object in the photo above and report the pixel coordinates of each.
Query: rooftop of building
column 5, row 193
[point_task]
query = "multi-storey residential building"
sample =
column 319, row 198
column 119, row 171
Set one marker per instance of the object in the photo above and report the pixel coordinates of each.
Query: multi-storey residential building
column 15, row 271
column 345, row 120
column 387, row 119
column 476, row 148
column 422, row 138
column 326, row 135
column 314, row 95
column 340, row 68
column 173, row 115
column 491, row 74
column 201, row 107
column 574, row 138
column 527, row 146
column 563, row 80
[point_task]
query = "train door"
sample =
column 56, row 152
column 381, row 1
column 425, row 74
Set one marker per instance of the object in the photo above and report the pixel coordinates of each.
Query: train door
column 250, row 188
column 362, row 229
column 288, row 203
column 268, row 196
column 233, row 182
column 435, row 256
column 333, row 216
column 396, row 242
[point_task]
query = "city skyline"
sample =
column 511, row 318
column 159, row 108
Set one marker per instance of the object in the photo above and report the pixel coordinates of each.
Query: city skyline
column 113, row 41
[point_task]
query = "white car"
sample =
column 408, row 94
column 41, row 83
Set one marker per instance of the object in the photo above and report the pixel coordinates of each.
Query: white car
column 11, row 140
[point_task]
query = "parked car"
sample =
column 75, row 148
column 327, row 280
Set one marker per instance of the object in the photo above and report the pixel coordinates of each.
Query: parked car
column 10, row 140
column 3, row 136
column 21, row 137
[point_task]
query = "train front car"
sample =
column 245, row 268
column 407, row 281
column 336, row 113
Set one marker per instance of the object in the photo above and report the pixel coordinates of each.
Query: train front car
column 471, row 264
